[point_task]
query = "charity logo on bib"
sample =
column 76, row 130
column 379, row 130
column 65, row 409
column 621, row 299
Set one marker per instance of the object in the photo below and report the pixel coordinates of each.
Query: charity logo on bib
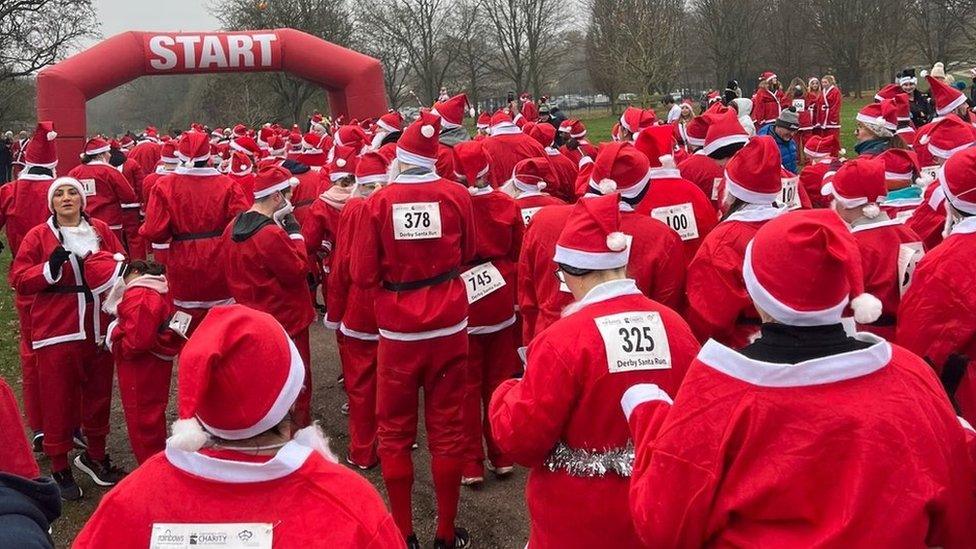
column 680, row 218
column 790, row 196
column 528, row 213
column 635, row 341
column 481, row 281
column 87, row 186
column 225, row 536
column 416, row 221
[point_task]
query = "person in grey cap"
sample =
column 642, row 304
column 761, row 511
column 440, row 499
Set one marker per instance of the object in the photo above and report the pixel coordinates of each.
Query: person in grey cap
column 782, row 131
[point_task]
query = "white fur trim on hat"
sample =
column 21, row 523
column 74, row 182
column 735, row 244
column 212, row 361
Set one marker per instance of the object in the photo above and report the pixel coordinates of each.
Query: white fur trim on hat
column 746, row 195
column 867, row 308
column 61, row 182
column 273, row 189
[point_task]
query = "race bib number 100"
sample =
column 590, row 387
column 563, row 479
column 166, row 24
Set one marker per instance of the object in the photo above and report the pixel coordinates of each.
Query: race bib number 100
column 635, row 341
column 416, row 221
column 680, row 218
column 224, row 536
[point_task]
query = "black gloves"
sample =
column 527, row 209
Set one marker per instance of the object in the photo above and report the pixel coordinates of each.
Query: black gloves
column 57, row 259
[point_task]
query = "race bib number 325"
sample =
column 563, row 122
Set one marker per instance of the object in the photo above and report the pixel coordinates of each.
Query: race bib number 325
column 416, row 221
column 635, row 341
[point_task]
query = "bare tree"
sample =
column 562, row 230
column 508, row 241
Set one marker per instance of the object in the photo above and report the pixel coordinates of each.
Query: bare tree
column 393, row 56
column 606, row 71
column 36, row 33
column 890, row 47
column 526, row 40
column 731, row 32
column 470, row 38
column 942, row 29
column 842, row 28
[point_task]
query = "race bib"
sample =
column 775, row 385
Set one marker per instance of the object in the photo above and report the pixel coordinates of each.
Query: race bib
column 799, row 104
column 416, row 221
column 225, row 536
column 527, row 214
column 87, row 186
column 716, row 185
column 929, row 173
column 481, row 281
column 681, row 219
column 789, row 196
column 635, row 341
column 908, row 257
column 562, row 282
column 180, row 323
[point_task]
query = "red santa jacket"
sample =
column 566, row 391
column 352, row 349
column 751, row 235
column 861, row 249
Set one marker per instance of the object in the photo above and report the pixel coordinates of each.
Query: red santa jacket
column 585, row 150
column 190, row 210
column 656, row 264
column 803, row 455
column 62, row 310
column 149, row 182
column 499, row 227
column 297, row 498
column 811, row 181
column 310, row 187
column 311, row 159
column 830, row 103
column 530, row 203
column 444, row 166
column 140, row 322
column 766, row 106
column 109, row 196
column 563, row 407
column 705, row 173
column 719, row 306
column 246, row 184
column 813, row 101
column 928, row 218
column 23, row 206
column 937, row 317
column 135, row 175
column 680, row 205
column 266, row 269
column 889, row 253
column 566, row 172
column 505, row 150
column 349, row 307
column 320, row 225
column 147, row 154
column 418, row 233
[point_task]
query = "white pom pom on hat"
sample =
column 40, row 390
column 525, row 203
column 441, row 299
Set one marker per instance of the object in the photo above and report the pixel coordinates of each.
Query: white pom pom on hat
column 427, row 131
column 616, row 241
column 871, row 211
column 341, row 162
column 51, row 135
column 187, row 435
column 867, row 308
column 607, row 186
column 541, row 185
column 118, row 257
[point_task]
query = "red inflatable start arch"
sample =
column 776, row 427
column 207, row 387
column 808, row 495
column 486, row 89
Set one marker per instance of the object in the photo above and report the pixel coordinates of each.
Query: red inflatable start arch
column 354, row 81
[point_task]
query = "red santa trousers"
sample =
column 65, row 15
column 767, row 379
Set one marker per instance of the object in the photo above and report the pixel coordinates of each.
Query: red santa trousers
column 492, row 358
column 144, row 390
column 30, row 385
column 358, row 357
column 438, row 366
column 74, row 377
column 303, row 406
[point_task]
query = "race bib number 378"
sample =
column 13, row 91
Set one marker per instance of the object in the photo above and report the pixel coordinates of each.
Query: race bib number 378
column 635, row 341
column 416, row 221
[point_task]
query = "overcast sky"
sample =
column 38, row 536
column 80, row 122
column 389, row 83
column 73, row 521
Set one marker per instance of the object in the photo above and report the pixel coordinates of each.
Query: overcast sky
column 165, row 15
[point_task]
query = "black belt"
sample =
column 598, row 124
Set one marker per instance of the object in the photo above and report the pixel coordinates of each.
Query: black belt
column 481, row 261
column 196, row 236
column 417, row 284
column 66, row 289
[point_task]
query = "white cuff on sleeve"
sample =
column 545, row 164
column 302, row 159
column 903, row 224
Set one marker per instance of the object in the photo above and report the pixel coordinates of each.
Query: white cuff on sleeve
column 47, row 274
column 966, row 425
column 641, row 393
column 108, row 333
column 329, row 325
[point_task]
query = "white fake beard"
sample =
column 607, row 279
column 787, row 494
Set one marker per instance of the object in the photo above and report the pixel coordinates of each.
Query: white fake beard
column 313, row 437
column 393, row 170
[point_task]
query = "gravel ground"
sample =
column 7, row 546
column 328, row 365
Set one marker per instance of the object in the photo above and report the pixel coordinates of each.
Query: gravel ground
column 495, row 515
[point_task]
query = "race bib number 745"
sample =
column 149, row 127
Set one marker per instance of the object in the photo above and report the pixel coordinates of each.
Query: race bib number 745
column 635, row 341
column 416, row 221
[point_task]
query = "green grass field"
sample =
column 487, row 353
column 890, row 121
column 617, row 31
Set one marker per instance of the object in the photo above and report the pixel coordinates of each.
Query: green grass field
column 9, row 329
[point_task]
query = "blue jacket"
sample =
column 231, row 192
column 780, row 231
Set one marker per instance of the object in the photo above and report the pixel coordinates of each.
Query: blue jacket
column 787, row 149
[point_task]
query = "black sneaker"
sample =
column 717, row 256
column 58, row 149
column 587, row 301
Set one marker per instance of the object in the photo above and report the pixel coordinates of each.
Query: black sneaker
column 70, row 491
column 79, row 440
column 412, row 542
column 37, row 441
column 102, row 472
column 461, row 540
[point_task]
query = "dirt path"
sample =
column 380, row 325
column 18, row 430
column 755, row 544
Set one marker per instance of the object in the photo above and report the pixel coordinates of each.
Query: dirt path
column 495, row 515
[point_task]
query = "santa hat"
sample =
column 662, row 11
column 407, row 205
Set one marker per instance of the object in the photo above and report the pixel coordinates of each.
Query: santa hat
column 767, row 76
column 152, row 133
column 820, row 146
column 753, row 174
column 957, row 179
column 418, row 145
column 102, row 269
column 295, row 140
column 907, row 76
column 61, row 182
column 573, row 127
column 544, row 134
column 890, row 91
column 351, row 136
column 873, row 116
column 343, row 163
column 634, row 119
column 96, row 145
column 167, row 153
column 947, row 136
column 619, row 167
column 126, row 142
column 246, row 145
column 391, row 122
column 859, row 182
column 193, row 147
column 371, row 168
column 696, row 131
column 277, row 145
column 724, row 129
column 470, row 161
column 452, row 110
column 591, row 238
column 240, row 164
column 657, row 144
column 899, row 164
column 16, row 457
column 317, row 123
column 240, row 130
column 239, row 375
column 271, row 179
column 945, row 97
column 312, row 141
column 902, row 109
column 40, row 149
column 804, row 267
column 484, row 120
column 533, row 175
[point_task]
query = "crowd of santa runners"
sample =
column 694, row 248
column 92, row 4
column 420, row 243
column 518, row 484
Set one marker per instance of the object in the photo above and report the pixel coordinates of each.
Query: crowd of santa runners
column 710, row 328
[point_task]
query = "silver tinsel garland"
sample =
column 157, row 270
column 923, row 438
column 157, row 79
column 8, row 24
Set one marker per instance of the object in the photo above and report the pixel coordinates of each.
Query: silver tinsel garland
column 591, row 463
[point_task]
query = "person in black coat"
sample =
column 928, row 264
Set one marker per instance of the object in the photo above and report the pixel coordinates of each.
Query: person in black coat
column 27, row 509
column 922, row 110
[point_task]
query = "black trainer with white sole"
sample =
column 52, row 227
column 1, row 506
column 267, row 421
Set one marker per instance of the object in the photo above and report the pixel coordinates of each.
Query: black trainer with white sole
column 461, row 540
column 79, row 440
column 37, row 441
column 103, row 473
column 70, row 491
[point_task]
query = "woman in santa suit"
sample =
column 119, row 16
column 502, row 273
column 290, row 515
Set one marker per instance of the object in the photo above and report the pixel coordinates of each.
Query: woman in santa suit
column 830, row 103
column 559, row 419
column 529, row 181
column 235, row 466
column 812, row 100
column 795, row 441
column 718, row 304
column 67, row 330
column 889, row 250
